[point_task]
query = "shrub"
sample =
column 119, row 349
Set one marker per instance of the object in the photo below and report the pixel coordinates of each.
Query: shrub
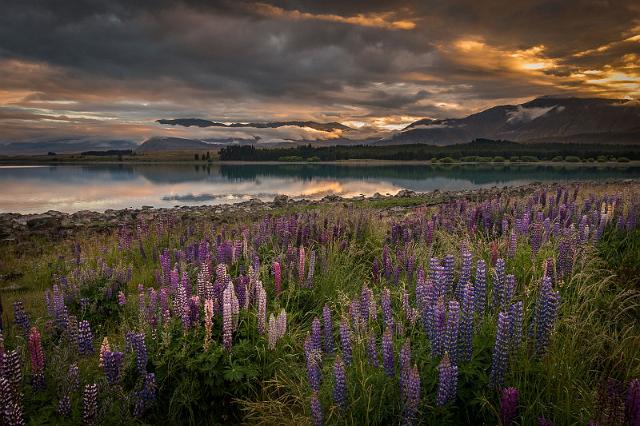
column 572, row 159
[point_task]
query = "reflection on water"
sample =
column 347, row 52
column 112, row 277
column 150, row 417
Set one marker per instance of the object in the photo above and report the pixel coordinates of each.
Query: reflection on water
column 108, row 186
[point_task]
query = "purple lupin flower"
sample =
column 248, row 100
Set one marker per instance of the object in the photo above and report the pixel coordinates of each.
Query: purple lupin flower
column 480, row 288
column 345, row 341
column 387, row 353
column 313, row 359
column 448, row 263
column 447, row 381
column 112, row 365
column 145, row 396
column 20, row 316
column 508, row 290
column 375, row 270
column 466, row 324
column 328, row 329
column 135, row 343
column 439, row 327
column 536, row 237
column 316, row 335
column 64, row 406
column 372, row 350
column 11, row 411
column 500, row 350
column 311, row 269
column 85, row 338
column 498, row 283
column 90, row 404
column 122, row 300
column 405, row 364
column 37, row 358
column 453, row 326
column 385, row 302
column 340, row 384
column 547, row 310
column 73, row 377
column 508, row 406
column 516, row 313
column 316, row 410
column 465, row 271
column 365, row 303
column 411, row 396
column 632, row 404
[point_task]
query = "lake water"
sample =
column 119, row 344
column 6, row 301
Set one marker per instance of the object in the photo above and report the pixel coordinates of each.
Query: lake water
column 69, row 188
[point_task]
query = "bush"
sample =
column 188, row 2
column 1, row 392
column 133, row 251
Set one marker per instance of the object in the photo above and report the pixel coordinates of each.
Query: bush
column 292, row 158
column 447, row 160
column 498, row 159
column 572, row 159
column 529, row 159
column 557, row 158
column 602, row 158
column 514, row 159
column 623, row 160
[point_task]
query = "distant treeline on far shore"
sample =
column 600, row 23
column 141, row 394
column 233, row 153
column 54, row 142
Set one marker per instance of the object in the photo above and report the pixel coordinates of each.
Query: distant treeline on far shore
column 478, row 150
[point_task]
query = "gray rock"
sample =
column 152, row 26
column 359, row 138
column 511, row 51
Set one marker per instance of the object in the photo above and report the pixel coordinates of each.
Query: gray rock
column 280, row 200
column 406, row 193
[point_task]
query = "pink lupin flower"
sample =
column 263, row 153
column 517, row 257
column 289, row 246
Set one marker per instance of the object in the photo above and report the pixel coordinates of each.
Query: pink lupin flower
column 301, row 265
column 37, row 357
column 261, row 296
column 208, row 322
column 104, row 347
column 277, row 277
column 227, row 325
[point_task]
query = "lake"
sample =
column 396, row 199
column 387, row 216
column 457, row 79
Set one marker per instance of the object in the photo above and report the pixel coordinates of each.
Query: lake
column 69, row 188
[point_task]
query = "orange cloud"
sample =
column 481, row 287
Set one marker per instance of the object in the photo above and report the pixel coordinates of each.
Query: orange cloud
column 378, row 20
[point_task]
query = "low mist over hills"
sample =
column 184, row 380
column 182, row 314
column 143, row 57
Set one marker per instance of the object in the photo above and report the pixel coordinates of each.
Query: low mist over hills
column 188, row 122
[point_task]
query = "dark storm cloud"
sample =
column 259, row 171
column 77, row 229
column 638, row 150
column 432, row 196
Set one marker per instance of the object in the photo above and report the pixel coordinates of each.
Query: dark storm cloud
column 126, row 63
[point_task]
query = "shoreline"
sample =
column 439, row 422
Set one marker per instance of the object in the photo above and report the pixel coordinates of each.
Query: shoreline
column 56, row 224
column 358, row 162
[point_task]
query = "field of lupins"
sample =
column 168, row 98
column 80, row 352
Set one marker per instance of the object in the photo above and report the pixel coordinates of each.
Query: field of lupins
column 507, row 310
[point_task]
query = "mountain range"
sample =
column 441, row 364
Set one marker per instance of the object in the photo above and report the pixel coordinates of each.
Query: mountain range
column 544, row 119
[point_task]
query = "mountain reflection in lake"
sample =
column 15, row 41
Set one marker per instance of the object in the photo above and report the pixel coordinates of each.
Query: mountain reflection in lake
column 99, row 187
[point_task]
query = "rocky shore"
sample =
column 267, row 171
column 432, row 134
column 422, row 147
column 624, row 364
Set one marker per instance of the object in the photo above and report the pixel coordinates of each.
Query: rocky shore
column 55, row 224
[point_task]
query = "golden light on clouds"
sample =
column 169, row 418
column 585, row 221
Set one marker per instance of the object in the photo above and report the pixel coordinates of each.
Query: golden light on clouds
column 379, row 20
column 533, row 65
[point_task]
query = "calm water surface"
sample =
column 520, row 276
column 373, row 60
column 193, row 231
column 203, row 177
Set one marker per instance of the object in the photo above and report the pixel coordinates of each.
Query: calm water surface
column 69, row 188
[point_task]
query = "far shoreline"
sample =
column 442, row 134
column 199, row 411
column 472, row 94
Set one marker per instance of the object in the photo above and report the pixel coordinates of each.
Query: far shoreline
column 354, row 162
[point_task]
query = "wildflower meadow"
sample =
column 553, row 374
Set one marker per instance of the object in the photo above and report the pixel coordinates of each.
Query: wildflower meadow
column 509, row 309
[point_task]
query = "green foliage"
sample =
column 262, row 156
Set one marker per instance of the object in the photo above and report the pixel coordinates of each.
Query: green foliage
column 481, row 149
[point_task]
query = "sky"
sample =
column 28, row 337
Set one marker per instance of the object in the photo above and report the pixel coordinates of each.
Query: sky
column 88, row 69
